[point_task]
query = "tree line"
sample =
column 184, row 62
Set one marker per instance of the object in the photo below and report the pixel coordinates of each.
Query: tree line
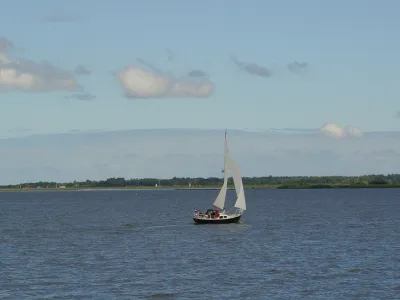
column 115, row 182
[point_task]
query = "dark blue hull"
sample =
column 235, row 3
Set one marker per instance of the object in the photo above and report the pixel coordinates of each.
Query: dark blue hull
column 217, row 221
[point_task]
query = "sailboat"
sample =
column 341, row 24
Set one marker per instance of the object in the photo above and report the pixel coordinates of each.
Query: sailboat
column 222, row 214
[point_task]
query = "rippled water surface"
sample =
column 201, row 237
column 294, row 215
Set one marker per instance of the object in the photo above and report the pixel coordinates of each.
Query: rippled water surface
column 292, row 244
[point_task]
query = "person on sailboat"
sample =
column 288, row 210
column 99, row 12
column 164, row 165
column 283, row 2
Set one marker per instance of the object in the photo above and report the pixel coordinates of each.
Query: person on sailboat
column 211, row 213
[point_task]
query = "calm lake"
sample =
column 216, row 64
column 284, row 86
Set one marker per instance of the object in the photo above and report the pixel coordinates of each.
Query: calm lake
column 291, row 244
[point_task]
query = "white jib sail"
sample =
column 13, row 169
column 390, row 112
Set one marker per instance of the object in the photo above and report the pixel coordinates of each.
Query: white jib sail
column 237, row 180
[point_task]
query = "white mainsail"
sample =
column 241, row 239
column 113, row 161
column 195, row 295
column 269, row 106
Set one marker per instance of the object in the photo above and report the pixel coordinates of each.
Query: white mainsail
column 237, row 181
column 220, row 201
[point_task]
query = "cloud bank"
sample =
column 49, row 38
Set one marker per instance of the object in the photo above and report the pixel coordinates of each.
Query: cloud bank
column 154, row 83
column 29, row 76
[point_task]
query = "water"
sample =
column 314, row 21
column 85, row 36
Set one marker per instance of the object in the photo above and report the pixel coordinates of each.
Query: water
column 292, row 244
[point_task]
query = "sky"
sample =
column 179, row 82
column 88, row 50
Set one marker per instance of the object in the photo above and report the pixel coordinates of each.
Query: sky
column 69, row 67
column 165, row 153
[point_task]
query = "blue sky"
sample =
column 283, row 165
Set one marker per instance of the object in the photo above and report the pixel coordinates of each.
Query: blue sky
column 349, row 50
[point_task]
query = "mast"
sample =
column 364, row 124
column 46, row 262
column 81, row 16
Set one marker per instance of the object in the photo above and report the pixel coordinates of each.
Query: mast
column 220, row 200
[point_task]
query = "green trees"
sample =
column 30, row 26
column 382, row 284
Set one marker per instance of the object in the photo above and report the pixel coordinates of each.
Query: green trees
column 267, row 181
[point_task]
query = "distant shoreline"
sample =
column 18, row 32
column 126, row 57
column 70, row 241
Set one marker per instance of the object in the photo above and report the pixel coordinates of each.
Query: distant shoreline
column 133, row 188
column 200, row 183
column 141, row 188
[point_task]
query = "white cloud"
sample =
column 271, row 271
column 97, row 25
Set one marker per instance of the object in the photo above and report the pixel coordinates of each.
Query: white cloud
column 140, row 83
column 30, row 76
column 334, row 130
